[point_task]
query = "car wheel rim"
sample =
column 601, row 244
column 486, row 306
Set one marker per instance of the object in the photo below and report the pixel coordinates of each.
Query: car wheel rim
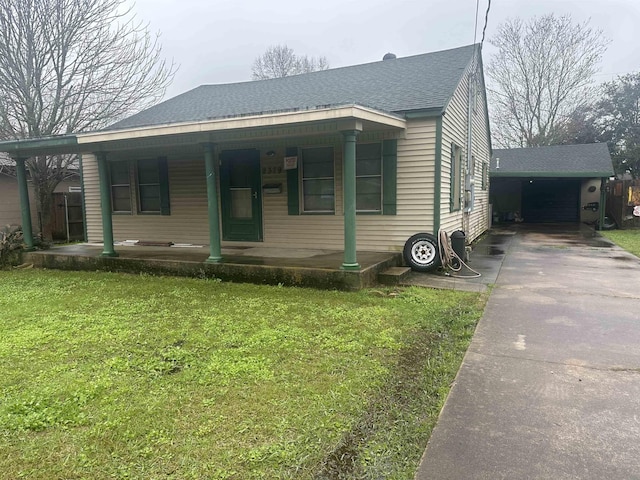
column 423, row 252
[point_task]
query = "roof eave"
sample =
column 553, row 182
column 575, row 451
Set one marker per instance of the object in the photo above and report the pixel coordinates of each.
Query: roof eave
column 25, row 148
column 423, row 113
column 504, row 174
column 221, row 125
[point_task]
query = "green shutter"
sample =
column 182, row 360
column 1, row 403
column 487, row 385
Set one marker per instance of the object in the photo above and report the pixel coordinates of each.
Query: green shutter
column 293, row 196
column 163, row 174
column 389, row 176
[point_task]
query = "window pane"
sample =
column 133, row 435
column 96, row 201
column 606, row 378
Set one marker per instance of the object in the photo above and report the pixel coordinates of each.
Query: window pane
column 368, row 195
column 241, row 203
column 318, row 184
column 148, row 172
column 318, row 195
column 368, row 167
column 149, row 198
column 121, row 198
column 368, row 159
column 317, row 162
column 119, row 173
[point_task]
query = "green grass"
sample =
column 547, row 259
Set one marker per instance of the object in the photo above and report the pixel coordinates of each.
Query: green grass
column 123, row 376
column 627, row 239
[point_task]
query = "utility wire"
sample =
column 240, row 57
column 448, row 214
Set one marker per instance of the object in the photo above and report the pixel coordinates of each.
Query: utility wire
column 486, row 20
column 475, row 26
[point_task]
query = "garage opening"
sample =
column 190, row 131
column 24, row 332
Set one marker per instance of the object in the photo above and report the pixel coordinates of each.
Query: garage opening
column 551, row 200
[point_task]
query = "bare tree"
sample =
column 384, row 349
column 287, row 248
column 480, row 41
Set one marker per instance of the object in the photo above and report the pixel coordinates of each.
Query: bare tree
column 72, row 66
column 280, row 61
column 540, row 75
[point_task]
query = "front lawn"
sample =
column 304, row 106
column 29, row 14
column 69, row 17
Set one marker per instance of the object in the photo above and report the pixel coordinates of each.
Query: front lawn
column 627, row 239
column 124, row 376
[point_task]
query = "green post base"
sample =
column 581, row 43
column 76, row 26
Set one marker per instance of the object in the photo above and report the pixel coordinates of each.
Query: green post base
column 109, row 254
column 350, row 266
column 213, row 260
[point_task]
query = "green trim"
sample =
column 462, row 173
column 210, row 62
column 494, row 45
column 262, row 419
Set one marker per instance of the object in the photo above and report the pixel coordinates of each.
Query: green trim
column 30, row 147
column 603, row 202
column 423, row 113
column 25, row 207
column 349, row 198
column 389, row 176
column 550, row 174
column 215, row 255
column 84, row 201
column 105, row 206
column 293, row 184
column 247, row 162
column 163, row 174
column 437, row 192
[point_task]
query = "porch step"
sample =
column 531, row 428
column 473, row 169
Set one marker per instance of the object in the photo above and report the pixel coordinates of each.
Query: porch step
column 393, row 275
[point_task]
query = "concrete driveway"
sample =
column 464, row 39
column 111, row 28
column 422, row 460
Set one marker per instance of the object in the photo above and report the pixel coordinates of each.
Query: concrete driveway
column 550, row 386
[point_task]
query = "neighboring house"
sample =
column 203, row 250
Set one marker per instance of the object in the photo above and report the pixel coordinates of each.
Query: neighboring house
column 10, row 210
column 360, row 157
column 555, row 184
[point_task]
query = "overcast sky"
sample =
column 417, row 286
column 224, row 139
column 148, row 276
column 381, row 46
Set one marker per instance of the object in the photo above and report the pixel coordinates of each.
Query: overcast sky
column 216, row 41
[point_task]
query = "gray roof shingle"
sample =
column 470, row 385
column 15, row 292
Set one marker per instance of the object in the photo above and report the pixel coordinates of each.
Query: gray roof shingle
column 553, row 161
column 398, row 85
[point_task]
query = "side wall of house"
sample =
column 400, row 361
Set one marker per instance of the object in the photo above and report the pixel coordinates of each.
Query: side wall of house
column 10, row 210
column 188, row 222
column 10, row 213
column 454, row 131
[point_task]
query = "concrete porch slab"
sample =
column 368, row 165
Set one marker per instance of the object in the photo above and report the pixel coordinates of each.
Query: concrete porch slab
column 307, row 268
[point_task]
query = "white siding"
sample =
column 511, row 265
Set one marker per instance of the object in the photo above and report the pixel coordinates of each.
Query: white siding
column 188, row 221
column 454, row 130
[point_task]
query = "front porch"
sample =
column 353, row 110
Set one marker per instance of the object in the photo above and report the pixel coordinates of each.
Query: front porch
column 273, row 266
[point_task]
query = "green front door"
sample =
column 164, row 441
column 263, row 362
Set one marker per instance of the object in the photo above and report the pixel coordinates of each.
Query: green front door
column 241, row 195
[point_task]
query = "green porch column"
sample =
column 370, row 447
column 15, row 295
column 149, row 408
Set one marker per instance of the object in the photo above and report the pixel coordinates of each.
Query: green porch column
column 105, row 206
column 25, row 208
column 215, row 254
column 349, row 175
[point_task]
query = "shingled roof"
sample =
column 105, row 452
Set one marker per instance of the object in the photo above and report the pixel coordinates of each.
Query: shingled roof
column 397, row 85
column 588, row 160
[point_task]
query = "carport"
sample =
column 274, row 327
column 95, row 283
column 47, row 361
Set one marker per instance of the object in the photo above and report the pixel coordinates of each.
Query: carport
column 551, row 184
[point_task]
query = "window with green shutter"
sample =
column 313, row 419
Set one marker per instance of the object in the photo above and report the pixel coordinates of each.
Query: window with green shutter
column 456, row 178
column 151, row 186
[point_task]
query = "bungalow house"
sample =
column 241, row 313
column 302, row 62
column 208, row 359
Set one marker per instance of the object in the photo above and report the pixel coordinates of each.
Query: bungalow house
column 551, row 184
column 354, row 159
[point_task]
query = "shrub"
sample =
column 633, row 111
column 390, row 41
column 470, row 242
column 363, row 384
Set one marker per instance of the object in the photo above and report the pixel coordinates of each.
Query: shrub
column 11, row 243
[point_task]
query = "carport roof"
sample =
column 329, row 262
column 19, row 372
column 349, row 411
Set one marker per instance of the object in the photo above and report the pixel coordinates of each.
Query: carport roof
column 587, row 160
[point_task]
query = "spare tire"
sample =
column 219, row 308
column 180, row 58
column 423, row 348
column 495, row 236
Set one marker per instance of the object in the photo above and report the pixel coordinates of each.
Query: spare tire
column 421, row 252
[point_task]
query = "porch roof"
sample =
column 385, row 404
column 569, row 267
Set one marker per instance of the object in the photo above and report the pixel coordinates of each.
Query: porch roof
column 577, row 161
column 254, row 127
